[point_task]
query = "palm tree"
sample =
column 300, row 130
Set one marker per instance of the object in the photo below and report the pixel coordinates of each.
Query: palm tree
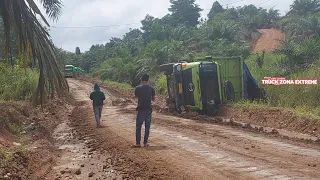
column 35, row 40
column 304, row 7
column 273, row 16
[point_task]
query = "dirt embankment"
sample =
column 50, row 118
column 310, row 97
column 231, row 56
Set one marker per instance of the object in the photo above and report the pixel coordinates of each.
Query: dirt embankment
column 272, row 117
column 26, row 145
column 268, row 40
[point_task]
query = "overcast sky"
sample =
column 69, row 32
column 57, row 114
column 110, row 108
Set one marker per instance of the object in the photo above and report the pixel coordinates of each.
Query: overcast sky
column 120, row 15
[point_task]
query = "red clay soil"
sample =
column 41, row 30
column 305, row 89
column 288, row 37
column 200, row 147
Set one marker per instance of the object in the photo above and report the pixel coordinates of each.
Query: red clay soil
column 272, row 117
column 35, row 157
column 181, row 148
column 268, row 40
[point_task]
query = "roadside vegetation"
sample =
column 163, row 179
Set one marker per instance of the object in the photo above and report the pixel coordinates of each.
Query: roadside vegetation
column 29, row 71
column 181, row 34
column 17, row 83
column 25, row 41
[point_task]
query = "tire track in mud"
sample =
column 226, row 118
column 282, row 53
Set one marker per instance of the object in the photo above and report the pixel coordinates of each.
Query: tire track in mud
column 128, row 162
column 227, row 155
column 77, row 158
column 206, row 151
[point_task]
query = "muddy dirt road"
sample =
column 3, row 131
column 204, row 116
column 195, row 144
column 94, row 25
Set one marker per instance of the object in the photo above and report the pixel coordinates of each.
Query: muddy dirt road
column 179, row 148
column 268, row 40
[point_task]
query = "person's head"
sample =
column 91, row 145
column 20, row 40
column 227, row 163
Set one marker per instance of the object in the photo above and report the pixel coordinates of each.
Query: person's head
column 96, row 87
column 145, row 78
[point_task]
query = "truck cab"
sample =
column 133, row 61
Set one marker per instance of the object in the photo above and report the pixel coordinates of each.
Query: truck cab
column 193, row 86
column 69, row 71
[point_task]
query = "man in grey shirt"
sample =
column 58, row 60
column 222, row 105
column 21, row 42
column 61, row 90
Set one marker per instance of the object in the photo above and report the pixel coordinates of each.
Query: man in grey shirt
column 145, row 93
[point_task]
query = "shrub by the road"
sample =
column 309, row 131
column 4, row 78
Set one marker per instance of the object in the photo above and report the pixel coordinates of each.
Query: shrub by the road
column 16, row 83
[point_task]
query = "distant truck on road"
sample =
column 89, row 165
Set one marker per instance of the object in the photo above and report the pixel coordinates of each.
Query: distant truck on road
column 72, row 71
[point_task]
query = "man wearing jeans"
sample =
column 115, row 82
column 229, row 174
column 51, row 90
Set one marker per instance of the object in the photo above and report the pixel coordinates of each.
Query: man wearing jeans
column 145, row 93
column 97, row 97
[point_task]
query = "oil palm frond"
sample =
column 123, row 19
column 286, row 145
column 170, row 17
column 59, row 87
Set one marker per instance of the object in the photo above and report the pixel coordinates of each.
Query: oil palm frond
column 21, row 15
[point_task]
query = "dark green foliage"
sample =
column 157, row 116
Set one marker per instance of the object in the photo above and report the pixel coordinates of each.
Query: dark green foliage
column 216, row 9
column 304, row 7
column 301, row 47
column 78, row 52
column 185, row 12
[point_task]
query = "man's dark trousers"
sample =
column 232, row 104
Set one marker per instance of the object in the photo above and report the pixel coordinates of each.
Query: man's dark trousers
column 143, row 116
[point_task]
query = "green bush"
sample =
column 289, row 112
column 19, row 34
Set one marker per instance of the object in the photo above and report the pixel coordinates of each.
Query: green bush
column 16, row 83
column 161, row 84
column 117, row 85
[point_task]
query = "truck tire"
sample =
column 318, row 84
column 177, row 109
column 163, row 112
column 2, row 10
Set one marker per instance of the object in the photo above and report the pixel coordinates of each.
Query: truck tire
column 229, row 91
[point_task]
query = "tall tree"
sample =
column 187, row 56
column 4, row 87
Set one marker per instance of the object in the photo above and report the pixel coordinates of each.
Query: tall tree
column 216, row 9
column 34, row 39
column 185, row 12
column 147, row 24
column 78, row 52
column 273, row 16
column 304, row 7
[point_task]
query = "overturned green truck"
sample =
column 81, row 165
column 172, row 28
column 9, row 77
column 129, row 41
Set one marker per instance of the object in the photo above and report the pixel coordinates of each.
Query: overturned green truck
column 205, row 85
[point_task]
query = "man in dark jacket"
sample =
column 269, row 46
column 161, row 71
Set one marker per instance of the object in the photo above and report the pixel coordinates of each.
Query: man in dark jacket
column 97, row 97
column 145, row 93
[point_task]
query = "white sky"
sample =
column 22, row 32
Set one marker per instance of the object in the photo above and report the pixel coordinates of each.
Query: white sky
column 123, row 14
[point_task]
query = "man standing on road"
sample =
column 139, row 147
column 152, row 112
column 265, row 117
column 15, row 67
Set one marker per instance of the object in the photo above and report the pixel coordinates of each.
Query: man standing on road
column 145, row 93
column 97, row 97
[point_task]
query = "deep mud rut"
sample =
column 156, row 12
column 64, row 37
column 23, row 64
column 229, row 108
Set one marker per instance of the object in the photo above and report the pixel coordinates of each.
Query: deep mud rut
column 180, row 148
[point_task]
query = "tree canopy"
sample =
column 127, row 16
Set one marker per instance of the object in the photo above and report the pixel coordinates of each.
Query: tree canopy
column 185, row 12
column 215, row 9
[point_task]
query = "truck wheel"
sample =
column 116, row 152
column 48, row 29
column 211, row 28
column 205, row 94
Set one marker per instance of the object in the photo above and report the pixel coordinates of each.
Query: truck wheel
column 229, row 91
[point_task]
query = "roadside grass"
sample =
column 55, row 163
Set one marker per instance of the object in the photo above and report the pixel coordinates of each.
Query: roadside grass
column 4, row 154
column 117, row 85
column 7, row 153
column 161, row 84
column 16, row 83
column 302, row 99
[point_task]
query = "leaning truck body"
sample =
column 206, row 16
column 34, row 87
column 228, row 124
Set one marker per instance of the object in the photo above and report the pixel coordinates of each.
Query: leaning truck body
column 205, row 85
